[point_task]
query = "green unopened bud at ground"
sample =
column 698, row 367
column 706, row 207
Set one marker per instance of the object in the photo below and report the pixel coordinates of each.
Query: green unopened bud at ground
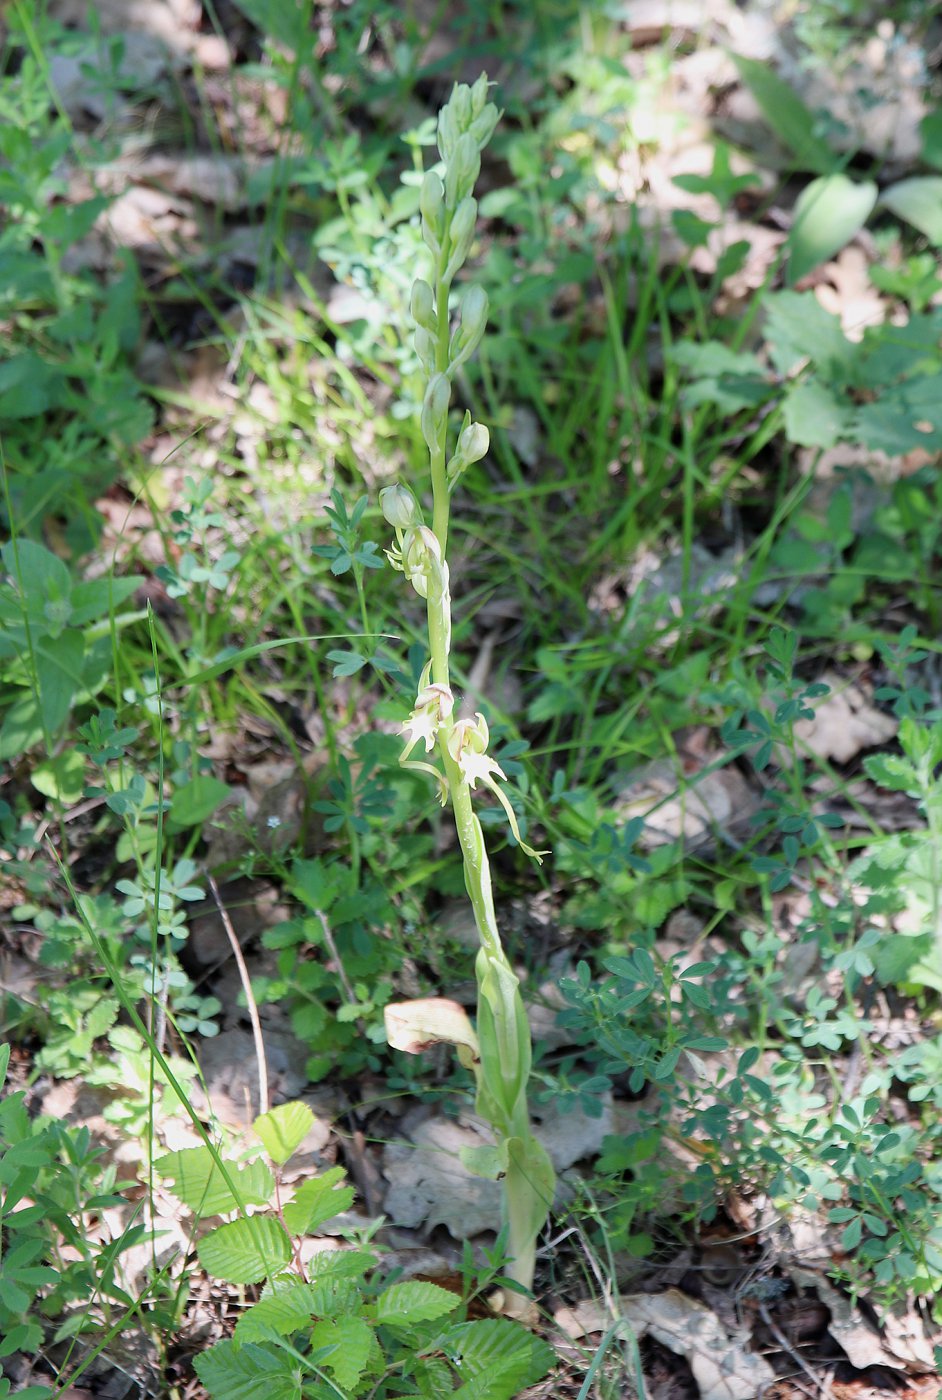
column 423, row 306
column 432, row 206
column 399, row 506
column 464, row 166
column 435, row 410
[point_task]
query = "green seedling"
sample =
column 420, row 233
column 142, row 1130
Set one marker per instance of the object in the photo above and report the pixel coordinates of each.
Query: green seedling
column 499, row 1053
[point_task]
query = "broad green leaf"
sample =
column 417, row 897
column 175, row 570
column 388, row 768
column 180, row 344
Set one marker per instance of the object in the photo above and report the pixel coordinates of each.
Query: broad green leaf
column 287, row 1310
column 283, row 1128
column 59, row 673
column 62, row 777
column 197, row 799
column 532, row 1161
column 793, row 123
column 21, row 729
column 246, row 1251
column 828, row 213
column 919, row 202
column 231, row 1372
column 98, row 597
column 317, row 1200
column 414, row 1301
column 41, row 576
column 200, row 1185
column 814, row 417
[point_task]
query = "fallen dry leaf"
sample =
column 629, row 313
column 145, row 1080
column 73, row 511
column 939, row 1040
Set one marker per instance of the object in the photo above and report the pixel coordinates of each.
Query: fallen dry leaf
column 861, row 1341
column 721, row 1365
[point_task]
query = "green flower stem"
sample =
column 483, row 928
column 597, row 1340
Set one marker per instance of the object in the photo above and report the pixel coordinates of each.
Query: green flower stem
column 504, row 1051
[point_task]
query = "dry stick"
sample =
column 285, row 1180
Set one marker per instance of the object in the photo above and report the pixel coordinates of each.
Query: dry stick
column 249, row 997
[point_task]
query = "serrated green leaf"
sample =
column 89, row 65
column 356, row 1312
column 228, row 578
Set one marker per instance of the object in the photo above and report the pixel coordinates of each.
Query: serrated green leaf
column 919, row 202
column 892, row 771
column 318, row 1200
column 287, row 1309
column 793, row 122
column 283, row 1128
column 246, row 1251
column 828, row 213
column 351, row 1339
column 414, row 1301
column 200, row 1185
column 814, row 417
column 501, row 1352
column 231, row 1372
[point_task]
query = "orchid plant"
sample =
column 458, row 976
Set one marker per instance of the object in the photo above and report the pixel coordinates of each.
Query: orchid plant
column 454, row 750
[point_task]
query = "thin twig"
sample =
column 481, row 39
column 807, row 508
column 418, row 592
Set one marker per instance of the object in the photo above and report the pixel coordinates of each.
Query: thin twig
column 249, row 997
column 823, row 1387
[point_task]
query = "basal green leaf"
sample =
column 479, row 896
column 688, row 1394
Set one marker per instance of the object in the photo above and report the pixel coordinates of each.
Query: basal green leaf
column 62, row 777
column 814, row 417
column 316, row 1201
column 793, row 123
column 919, row 202
column 197, row 799
column 414, row 1301
column 283, row 1128
column 59, row 673
column 231, row 1372
column 200, row 1185
column 828, row 213
column 246, row 1251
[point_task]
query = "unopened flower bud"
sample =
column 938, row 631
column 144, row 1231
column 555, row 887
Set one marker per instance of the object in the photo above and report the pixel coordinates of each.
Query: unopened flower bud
column 462, row 233
column 399, row 506
column 460, row 102
column 423, row 305
column 482, row 128
column 473, row 442
column 435, row 410
column 425, row 348
column 467, row 334
column 448, row 131
column 479, row 96
column 432, row 202
column 464, row 166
